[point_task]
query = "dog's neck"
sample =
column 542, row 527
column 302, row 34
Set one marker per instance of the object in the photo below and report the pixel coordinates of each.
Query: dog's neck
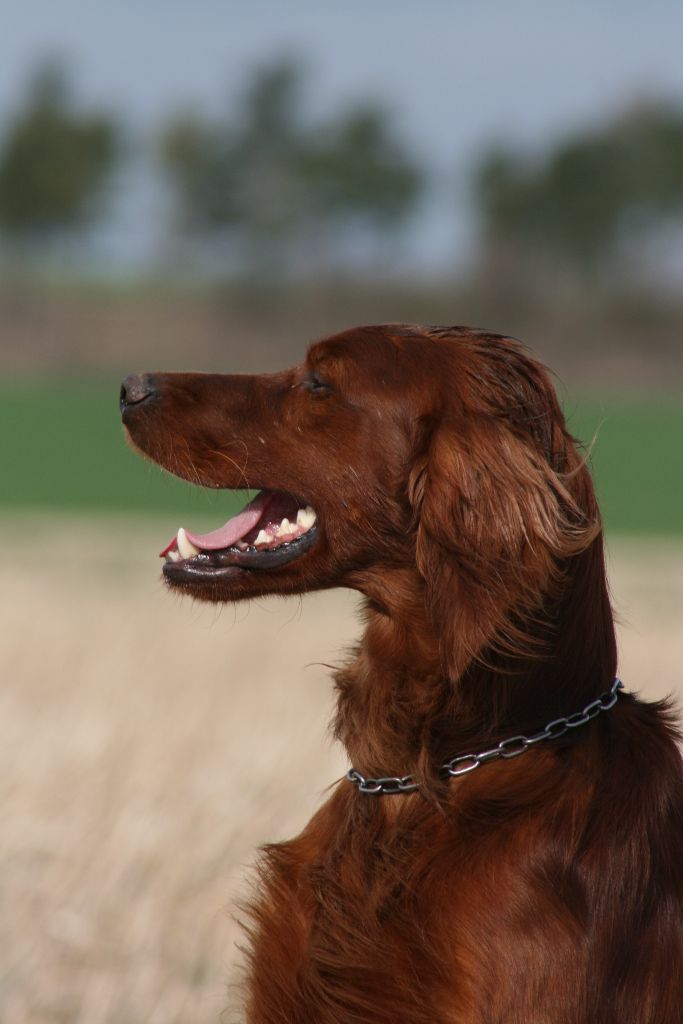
column 401, row 712
column 394, row 686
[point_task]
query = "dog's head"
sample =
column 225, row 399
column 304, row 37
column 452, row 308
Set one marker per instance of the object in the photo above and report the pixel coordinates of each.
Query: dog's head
column 437, row 450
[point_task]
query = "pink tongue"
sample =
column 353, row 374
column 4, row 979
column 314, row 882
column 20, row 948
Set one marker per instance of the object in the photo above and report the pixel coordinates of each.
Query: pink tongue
column 234, row 529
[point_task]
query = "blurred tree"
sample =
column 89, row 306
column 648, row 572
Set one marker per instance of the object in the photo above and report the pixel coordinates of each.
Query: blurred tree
column 354, row 168
column 240, row 179
column 54, row 162
column 592, row 195
column 272, row 181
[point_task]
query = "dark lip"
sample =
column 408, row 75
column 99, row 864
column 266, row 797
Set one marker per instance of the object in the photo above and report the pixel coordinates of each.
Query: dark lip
column 218, row 565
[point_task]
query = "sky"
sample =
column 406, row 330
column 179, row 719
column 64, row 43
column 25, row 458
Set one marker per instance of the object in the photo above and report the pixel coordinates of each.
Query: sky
column 457, row 76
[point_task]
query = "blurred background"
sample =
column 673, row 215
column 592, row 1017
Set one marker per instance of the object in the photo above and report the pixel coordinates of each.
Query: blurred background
column 211, row 187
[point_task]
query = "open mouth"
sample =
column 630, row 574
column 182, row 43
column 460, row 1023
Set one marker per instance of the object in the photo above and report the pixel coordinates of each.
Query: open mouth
column 270, row 531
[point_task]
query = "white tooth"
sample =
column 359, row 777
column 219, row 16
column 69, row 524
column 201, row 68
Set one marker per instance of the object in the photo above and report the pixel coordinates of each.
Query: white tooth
column 185, row 546
column 306, row 517
column 242, row 546
column 262, row 538
column 284, row 528
column 172, row 556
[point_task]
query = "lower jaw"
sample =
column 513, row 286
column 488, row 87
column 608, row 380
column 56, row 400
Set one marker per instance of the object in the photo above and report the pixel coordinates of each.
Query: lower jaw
column 225, row 566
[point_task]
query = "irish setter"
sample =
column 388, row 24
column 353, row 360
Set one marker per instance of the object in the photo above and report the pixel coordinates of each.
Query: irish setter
column 430, row 468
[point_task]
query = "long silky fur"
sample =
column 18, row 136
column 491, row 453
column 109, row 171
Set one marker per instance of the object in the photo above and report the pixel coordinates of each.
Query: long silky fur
column 545, row 889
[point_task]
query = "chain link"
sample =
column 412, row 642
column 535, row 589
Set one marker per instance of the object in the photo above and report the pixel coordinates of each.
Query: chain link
column 463, row 764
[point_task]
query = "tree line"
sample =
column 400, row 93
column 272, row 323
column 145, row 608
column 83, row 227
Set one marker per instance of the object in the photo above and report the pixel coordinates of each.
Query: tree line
column 271, row 189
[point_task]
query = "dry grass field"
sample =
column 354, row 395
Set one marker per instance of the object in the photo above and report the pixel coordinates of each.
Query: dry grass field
column 147, row 746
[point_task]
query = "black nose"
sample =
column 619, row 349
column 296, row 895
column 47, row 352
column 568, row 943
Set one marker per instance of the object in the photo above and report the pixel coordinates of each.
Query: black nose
column 135, row 389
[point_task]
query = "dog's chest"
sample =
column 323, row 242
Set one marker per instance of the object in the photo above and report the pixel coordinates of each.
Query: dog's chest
column 359, row 921
column 349, row 926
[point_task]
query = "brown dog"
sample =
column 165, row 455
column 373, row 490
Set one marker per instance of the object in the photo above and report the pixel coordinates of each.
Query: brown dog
column 431, row 469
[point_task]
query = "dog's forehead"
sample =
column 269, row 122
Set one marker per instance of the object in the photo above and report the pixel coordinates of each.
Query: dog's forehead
column 376, row 349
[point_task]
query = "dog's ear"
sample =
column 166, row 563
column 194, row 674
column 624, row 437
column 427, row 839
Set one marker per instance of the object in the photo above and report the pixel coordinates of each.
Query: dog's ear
column 497, row 514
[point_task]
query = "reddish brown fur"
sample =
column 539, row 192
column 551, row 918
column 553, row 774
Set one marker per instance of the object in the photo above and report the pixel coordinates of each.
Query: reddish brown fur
column 546, row 889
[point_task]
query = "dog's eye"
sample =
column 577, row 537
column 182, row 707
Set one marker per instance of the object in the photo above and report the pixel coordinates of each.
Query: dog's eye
column 316, row 385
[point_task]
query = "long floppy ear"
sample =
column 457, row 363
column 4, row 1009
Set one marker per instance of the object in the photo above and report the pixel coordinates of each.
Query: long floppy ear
column 498, row 514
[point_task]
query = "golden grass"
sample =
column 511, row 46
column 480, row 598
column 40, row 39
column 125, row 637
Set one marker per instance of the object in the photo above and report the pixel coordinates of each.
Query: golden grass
column 147, row 746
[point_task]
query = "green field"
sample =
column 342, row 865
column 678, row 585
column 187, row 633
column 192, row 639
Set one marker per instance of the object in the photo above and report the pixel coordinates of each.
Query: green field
column 62, row 448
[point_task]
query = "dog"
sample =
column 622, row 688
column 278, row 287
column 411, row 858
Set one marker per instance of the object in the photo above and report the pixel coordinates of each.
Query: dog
column 508, row 844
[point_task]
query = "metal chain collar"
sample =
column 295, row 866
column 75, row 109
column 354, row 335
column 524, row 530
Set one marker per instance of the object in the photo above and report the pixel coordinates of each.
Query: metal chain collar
column 511, row 747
